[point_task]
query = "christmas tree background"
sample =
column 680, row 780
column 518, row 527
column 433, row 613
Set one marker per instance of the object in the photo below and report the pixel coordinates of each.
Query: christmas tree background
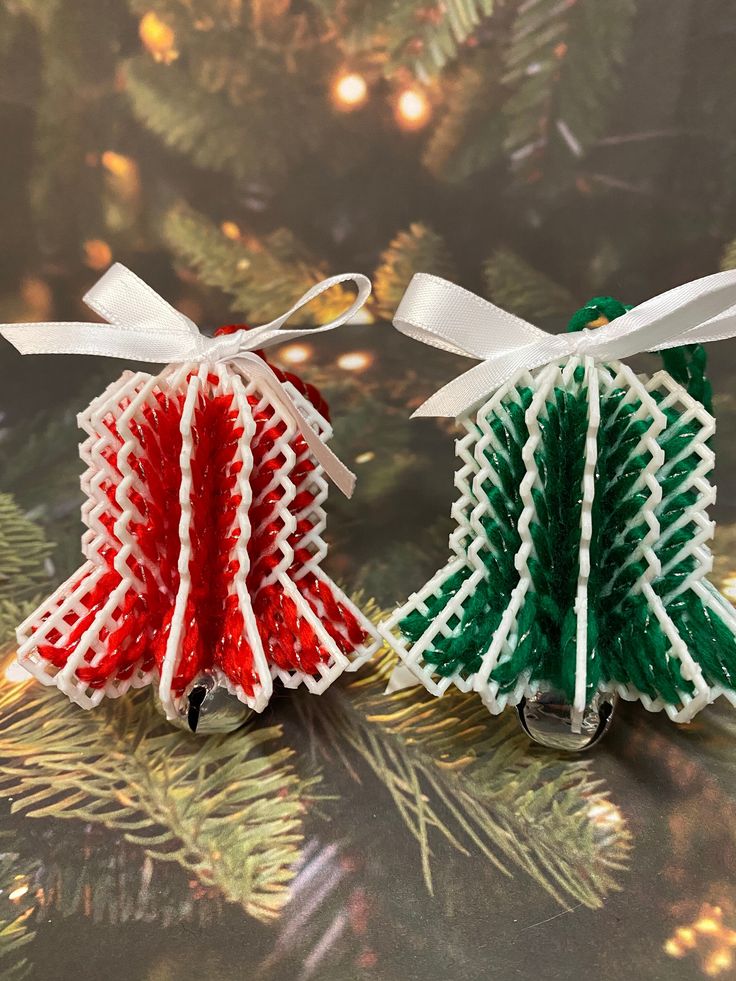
column 233, row 152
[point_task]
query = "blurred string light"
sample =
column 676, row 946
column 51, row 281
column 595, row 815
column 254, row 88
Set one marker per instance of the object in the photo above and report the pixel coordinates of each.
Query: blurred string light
column 37, row 298
column 295, row 353
column 729, row 586
column 355, row 361
column 707, row 937
column 123, row 175
column 158, row 38
column 230, row 230
column 14, row 673
column 97, row 254
column 18, row 892
column 349, row 91
column 413, row 109
column 365, row 457
column 118, row 164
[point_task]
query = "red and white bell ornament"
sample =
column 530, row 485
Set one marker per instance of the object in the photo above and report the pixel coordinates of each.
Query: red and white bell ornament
column 205, row 487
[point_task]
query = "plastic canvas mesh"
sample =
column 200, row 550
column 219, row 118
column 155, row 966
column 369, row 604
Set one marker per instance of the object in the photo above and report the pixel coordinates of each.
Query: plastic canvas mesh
column 204, row 515
column 581, row 549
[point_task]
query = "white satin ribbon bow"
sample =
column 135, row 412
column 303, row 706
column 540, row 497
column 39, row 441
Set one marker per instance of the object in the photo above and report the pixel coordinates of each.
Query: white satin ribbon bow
column 142, row 326
column 448, row 317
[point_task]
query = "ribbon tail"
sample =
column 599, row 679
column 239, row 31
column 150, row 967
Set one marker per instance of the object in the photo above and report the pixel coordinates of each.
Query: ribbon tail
column 258, row 370
column 696, row 312
column 719, row 328
column 103, row 340
column 341, row 476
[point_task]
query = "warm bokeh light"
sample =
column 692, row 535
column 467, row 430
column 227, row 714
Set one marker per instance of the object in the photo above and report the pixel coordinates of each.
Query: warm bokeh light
column 230, row 230
column 295, row 353
column 117, row 163
column 729, row 586
column 18, row 893
column 709, row 937
column 413, row 110
column 124, row 178
column 355, row 361
column 37, row 298
column 97, row 254
column 349, row 91
column 15, row 674
column 158, row 38
column 365, row 457
column 719, row 961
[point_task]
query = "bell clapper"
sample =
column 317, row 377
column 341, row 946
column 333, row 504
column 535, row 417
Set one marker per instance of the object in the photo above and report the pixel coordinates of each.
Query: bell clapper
column 550, row 720
column 207, row 707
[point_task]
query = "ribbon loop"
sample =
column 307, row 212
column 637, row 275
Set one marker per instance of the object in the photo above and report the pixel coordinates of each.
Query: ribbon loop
column 446, row 316
column 438, row 313
column 142, row 326
column 122, row 298
column 273, row 332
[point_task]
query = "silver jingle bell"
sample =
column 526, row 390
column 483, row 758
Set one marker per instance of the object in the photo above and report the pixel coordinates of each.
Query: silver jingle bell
column 547, row 718
column 207, row 708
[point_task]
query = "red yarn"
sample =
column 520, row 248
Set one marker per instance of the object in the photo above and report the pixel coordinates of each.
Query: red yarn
column 214, row 632
column 143, row 614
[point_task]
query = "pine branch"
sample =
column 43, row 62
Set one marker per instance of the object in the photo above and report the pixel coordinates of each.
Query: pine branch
column 11, row 614
column 426, row 37
column 23, row 555
column 226, row 809
column 263, row 277
column 203, row 127
column 454, row 772
column 469, row 136
column 41, row 11
column 728, row 259
column 404, row 561
column 76, row 114
column 419, row 36
column 15, row 930
column 562, row 67
column 219, row 108
column 514, row 285
column 39, row 463
column 39, row 458
column 80, row 874
column 419, row 249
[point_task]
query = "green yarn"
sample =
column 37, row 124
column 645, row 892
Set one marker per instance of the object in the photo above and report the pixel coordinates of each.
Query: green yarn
column 710, row 641
column 547, row 629
column 482, row 611
column 627, row 644
column 687, row 365
column 599, row 306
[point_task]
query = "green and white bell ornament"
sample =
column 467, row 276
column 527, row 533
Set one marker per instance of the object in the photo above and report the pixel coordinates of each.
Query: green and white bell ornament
column 580, row 554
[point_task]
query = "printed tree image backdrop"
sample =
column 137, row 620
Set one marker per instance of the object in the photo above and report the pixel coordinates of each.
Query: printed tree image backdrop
column 233, row 153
